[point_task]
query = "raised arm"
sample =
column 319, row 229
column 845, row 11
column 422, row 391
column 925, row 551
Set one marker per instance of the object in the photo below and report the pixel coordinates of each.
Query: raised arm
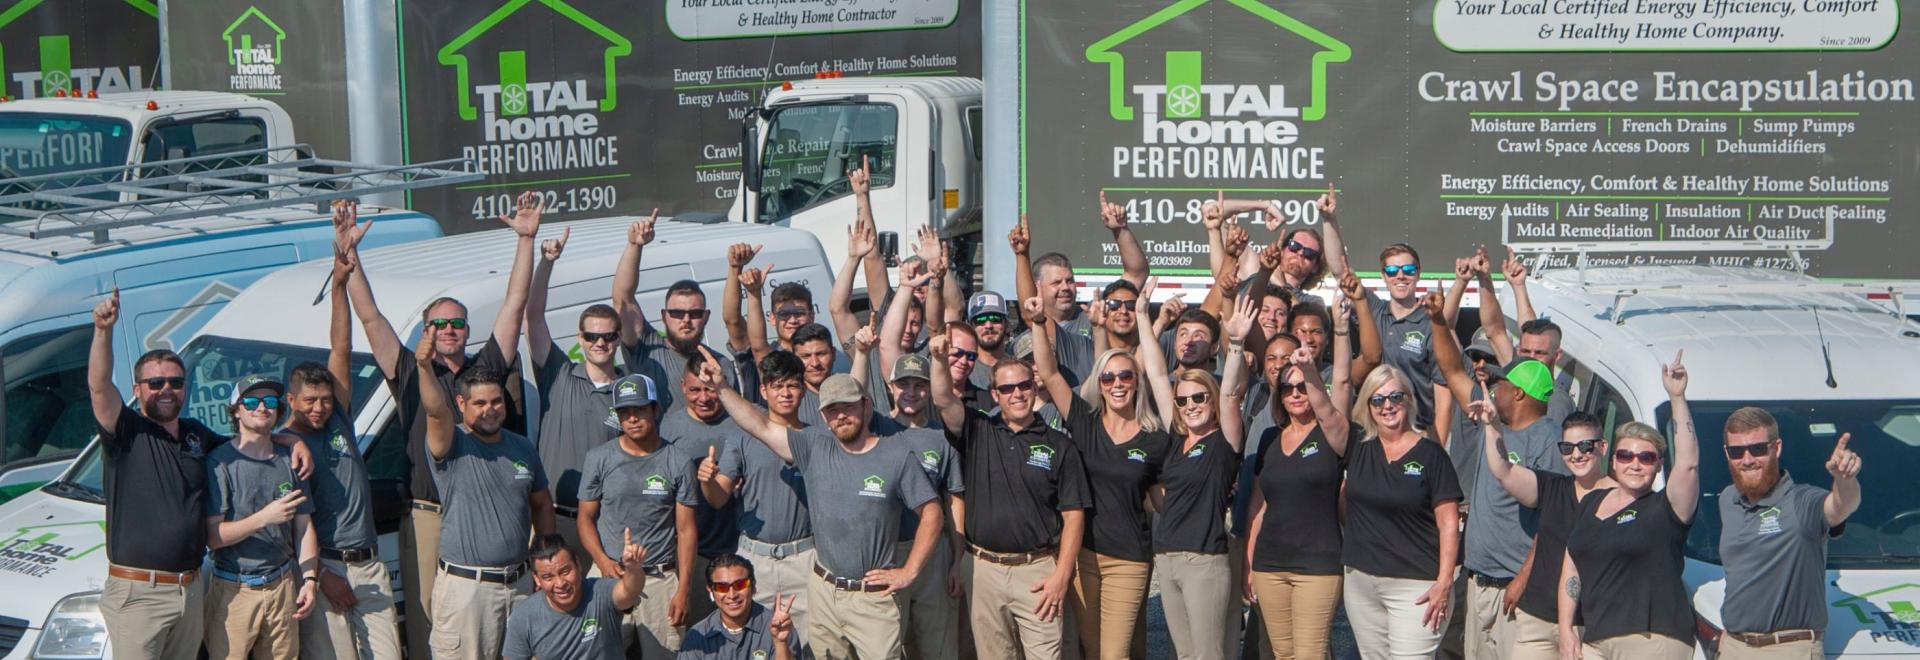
column 1133, row 260
column 953, row 411
column 861, row 183
column 894, row 327
column 1519, row 480
column 433, row 401
column 539, row 336
column 1683, row 482
column 104, row 395
column 525, row 222
column 1333, row 246
column 753, row 280
column 1844, row 499
column 1226, row 284
column 633, row 580
column 860, row 239
column 1147, row 350
column 1333, row 424
column 861, row 353
column 1341, row 389
column 1516, row 271
column 1214, row 217
column 1022, row 241
column 934, row 251
column 1233, row 375
column 381, row 337
column 1446, row 351
column 1371, row 348
column 1045, row 368
column 750, row 418
column 626, row 283
column 340, row 332
column 1462, row 274
column 738, row 255
column 1493, row 320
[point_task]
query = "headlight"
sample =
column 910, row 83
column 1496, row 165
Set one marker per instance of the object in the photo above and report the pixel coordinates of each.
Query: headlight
column 74, row 629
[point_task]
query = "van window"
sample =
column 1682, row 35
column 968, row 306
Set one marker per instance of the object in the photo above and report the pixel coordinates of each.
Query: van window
column 212, row 135
column 810, row 148
column 1612, row 409
column 214, row 364
column 34, row 143
column 974, row 134
column 47, row 407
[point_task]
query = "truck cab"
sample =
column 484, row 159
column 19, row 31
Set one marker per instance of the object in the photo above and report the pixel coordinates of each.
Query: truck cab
column 921, row 137
column 51, row 135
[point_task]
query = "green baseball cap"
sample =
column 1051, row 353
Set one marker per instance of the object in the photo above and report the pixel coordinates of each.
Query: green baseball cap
column 1528, row 374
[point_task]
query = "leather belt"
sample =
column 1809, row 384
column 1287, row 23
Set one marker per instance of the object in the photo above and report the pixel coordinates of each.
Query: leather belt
column 151, row 577
column 1759, row 640
column 1484, row 580
column 493, row 575
column 349, row 556
column 658, row 571
column 775, row 550
column 1010, row 559
column 845, row 584
column 424, row 505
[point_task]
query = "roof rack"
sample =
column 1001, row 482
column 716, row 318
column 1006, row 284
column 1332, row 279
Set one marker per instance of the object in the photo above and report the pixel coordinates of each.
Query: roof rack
column 208, row 185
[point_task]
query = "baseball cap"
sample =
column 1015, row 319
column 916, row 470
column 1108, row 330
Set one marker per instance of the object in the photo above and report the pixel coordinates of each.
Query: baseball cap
column 1481, row 346
column 633, row 391
column 255, row 382
column 1527, row 374
column 987, row 302
column 840, row 388
column 911, row 365
column 1022, row 346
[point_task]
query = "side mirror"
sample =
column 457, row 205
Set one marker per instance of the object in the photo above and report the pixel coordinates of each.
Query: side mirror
column 890, row 248
column 750, row 152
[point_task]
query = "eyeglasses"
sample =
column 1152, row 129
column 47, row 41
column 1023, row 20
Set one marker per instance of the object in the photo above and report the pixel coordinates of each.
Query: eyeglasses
column 1010, row 388
column 1196, row 397
column 457, row 323
column 1585, row 446
column 1298, row 248
column 792, row 312
column 989, row 318
column 1756, row 450
column 255, row 402
column 684, row 314
column 1284, row 389
column 970, row 356
column 1108, row 378
column 599, row 337
column 1645, row 457
column 169, row 382
column 1120, row 304
column 741, row 584
column 1409, row 270
column 1379, row 400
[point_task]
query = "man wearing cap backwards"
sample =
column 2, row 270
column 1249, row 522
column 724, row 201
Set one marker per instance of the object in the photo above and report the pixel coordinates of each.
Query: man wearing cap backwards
column 643, row 489
column 1501, row 531
column 266, row 559
column 858, row 487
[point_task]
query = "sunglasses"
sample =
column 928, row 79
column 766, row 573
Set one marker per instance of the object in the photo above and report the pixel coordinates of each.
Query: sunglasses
column 792, row 312
column 970, row 356
column 1108, row 378
column 169, row 382
column 741, row 584
column 1297, row 248
column 1120, row 304
column 1378, row 400
column 684, row 314
column 1285, row 389
column 1645, row 457
column 1010, row 388
column 989, row 318
column 1585, row 446
column 1409, row 270
column 255, row 402
column 1196, row 397
column 599, row 337
column 1756, row 450
column 457, row 323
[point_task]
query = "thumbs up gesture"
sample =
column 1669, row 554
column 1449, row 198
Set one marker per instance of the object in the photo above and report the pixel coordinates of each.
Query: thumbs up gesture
column 708, row 467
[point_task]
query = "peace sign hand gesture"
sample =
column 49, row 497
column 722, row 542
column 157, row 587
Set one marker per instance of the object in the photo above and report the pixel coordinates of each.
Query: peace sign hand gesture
column 1844, row 464
column 781, row 625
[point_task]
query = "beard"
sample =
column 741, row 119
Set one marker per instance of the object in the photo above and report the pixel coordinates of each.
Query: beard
column 161, row 411
column 1755, row 487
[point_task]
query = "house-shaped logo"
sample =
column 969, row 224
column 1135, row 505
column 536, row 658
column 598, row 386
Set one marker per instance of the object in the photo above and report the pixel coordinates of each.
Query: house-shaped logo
column 38, row 550
column 111, row 36
column 1413, row 469
column 515, row 95
column 1184, row 95
column 873, row 486
column 243, row 48
column 1891, row 608
column 656, row 484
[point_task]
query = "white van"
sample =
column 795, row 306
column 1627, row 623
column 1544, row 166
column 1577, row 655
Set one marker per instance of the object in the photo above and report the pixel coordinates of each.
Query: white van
column 52, row 541
column 1822, row 358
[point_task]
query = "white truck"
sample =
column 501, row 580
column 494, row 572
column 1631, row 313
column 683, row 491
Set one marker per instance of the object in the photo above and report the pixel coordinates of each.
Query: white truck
column 120, row 129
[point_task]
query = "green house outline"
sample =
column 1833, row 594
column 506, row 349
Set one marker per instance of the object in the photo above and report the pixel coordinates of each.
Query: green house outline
column 20, row 8
column 23, row 531
column 279, row 35
column 873, row 482
column 1854, row 602
column 1101, row 52
column 1414, row 466
column 449, row 54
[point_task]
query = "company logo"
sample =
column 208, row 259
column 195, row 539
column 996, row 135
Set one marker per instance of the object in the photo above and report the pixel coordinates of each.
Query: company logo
column 1513, row 457
column 589, row 628
column 1890, row 611
column 629, row 388
column 1137, row 455
column 339, row 442
column 36, row 551
column 1309, row 449
column 656, row 485
column 759, row 655
column 1414, row 469
column 1040, row 456
column 1626, row 516
column 254, row 48
column 1197, row 450
column 930, row 461
column 1769, row 522
column 1415, row 341
column 56, row 73
column 520, row 470
column 873, row 486
column 283, row 489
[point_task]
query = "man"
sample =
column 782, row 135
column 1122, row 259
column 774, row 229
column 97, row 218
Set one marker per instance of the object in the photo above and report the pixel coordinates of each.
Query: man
column 660, row 353
column 355, row 618
column 641, row 484
column 153, row 602
column 930, row 609
column 444, row 324
column 1404, row 328
column 494, row 491
column 987, row 313
column 1305, row 259
column 1073, row 349
column 1116, row 316
column 1773, row 538
column 776, row 531
column 1191, row 341
column 700, row 429
column 912, row 405
column 260, row 528
column 740, row 628
column 571, row 623
column 1025, row 511
column 574, row 397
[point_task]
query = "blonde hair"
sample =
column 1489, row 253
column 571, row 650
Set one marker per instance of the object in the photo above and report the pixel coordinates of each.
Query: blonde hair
column 1178, row 425
column 1639, row 431
column 1362, row 412
column 1143, row 411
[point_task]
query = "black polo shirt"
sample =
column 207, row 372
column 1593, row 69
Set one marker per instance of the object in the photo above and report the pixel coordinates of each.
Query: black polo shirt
column 1118, row 474
column 1017, row 483
column 1629, row 565
column 1391, row 529
column 156, row 492
column 1199, row 482
column 405, row 387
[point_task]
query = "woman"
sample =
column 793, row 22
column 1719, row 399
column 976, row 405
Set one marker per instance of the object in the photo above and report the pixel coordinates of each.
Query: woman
column 1623, row 557
column 1196, row 484
column 1294, row 566
column 1122, row 446
column 1403, row 525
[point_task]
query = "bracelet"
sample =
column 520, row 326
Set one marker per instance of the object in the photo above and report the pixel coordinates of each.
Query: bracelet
column 312, row 578
column 1341, row 334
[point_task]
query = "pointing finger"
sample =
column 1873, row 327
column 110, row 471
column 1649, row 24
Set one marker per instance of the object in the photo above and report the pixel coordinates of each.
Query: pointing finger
column 1841, row 446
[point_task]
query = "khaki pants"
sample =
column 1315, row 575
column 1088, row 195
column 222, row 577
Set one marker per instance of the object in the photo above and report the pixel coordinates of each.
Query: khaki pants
column 470, row 619
column 367, row 631
column 1108, row 593
column 419, row 563
column 1298, row 612
column 1534, row 638
column 154, row 621
column 1001, row 610
column 1385, row 616
column 930, row 619
column 853, row 624
column 1489, row 631
column 256, row 622
column 646, row 630
column 1637, row 647
column 1733, row 649
column 791, row 575
column 1200, row 598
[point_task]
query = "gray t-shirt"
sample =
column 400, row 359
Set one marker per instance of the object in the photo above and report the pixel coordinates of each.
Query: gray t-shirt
column 638, row 494
column 770, row 500
column 1501, row 530
column 1775, row 551
column 655, row 358
column 1407, row 346
column 931, row 451
column 341, row 495
column 238, row 486
column 576, row 415
column 719, row 531
column 591, row 631
column 709, row 639
column 484, row 488
column 856, row 499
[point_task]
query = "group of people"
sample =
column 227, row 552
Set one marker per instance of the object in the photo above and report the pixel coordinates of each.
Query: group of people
column 958, row 475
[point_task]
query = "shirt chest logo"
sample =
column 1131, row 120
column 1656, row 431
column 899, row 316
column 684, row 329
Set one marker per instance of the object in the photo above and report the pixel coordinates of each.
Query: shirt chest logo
column 1309, row 449
column 873, row 486
column 1137, row 455
column 338, row 443
column 930, row 462
column 1413, row 469
column 1513, row 457
column 1625, row 517
column 1769, row 522
column 520, row 471
column 1197, row 451
column 194, row 447
column 589, row 629
column 1040, row 456
column 283, row 489
column 656, row 485
column 759, row 655
column 1414, row 341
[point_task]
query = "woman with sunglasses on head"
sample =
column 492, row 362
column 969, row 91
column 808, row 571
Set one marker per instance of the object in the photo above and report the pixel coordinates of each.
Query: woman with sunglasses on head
column 1122, row 444
column 1623, row 560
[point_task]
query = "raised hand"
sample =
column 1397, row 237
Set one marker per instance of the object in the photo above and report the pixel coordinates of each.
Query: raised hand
column 1327, row 204
column 423, row 349
column 1270, row 257
column 866, row 337
column 1481, row 266
column 1480, row 410
column 781, row 625
column 1843, row 464
column 1236, row 242
column 525, row 219
column 640, row 233
column 1303, row 358
column 1019, row 238
column 930, row 245
column 1143, row 304
column 861, row 238
column 347, row 231
column 1228, row 279
column 1436, row 305
column 1273, row 216
column 632, row 557
column 1097, row 314
column 1350, row 287
column 1240, row 324
column 344, row 264
column 107, row 312
column 1342, row 311
column 1033, row 311
column 551, row 248
column 281, row 510
column 1213, row 213
column 1169, row 312
column 1514, row 268
column 709, row 467
column 1463, row 268
column 753, row 279
column 861, row 179
column 937, row 345
column 1113, row 216
column 738, row 254
column 710, row 373
column 1674, row 376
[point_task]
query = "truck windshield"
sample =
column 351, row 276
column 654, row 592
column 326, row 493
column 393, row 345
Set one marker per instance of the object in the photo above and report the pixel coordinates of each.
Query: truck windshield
column 34, row 143
column 810, row 148
column 1885, row 531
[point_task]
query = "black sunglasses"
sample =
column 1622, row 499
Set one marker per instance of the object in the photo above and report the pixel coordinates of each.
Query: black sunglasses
column 684, row 314
column 792, row 312
column 1301, row 249
column 1120, row 304
column 1645, row 457
column 457, row 323
column 1756, row 450
column 1009, row 388
column 971, row 356
column 1284, row 389
column 1585, row 446
column 598, row 337
column 169, row 382
column 1196, row 397
column 1378, row 400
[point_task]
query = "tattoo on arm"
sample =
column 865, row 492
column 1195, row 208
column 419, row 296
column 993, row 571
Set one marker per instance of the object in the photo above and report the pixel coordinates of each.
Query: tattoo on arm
column 1573, row 587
